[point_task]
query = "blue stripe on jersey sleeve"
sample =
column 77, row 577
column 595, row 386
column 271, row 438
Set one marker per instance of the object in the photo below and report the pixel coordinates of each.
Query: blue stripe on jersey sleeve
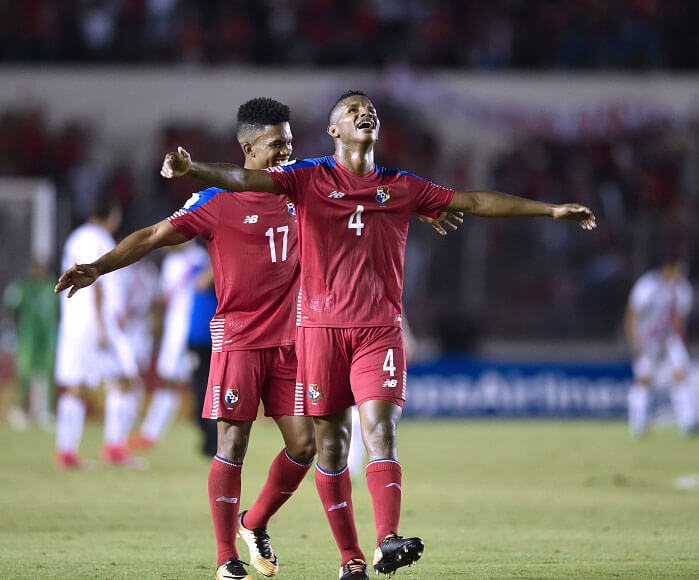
column 328, row 161
column 200, row 198
column 393, row 171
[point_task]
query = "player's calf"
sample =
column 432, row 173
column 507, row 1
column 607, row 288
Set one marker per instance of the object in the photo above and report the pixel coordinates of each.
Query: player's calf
column 394, row 552
column 262, row 555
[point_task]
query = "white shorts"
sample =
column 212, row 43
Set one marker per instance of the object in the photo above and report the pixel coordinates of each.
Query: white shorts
column 174, row 359
column 142, row 346
column 81, row 361
column 671, row 353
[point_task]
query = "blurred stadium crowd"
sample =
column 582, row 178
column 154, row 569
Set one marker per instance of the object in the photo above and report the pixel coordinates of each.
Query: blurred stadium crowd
column 642, row 185
column 579, row 34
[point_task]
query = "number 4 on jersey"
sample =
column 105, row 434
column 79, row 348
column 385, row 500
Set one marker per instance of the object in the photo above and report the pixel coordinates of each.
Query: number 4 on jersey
column 355, row 221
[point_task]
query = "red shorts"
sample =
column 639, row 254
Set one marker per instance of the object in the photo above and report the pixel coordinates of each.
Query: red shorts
column 239, row 379
column 341, row 367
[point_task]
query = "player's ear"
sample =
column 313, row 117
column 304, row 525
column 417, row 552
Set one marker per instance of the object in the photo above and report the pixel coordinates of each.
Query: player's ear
column 332, row 130
column 248, row 149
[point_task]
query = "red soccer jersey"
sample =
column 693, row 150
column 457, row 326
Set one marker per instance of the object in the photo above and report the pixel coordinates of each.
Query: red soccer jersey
column 352, row 233
column 253, row 245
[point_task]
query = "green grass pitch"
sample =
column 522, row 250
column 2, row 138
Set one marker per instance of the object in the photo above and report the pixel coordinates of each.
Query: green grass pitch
column 501, row 499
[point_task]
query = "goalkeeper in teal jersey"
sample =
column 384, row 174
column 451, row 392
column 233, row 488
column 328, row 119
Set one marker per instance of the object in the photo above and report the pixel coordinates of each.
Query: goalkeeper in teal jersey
column 35, row 307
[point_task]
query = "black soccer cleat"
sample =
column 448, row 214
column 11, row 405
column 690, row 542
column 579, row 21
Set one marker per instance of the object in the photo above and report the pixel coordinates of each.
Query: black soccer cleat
column 355, row 569
column 232, row 569
column 394, row 552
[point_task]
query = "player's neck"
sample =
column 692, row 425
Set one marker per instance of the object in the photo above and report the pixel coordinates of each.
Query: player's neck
column 358, row 159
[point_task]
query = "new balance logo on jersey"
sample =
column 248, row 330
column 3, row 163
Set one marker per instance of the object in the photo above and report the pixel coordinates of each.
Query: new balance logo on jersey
column 250, row 219
column 390, row 383
column 337, row 195
column 337, row 506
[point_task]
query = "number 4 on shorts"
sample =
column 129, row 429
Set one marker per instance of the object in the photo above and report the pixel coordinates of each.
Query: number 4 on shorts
column 388, row 365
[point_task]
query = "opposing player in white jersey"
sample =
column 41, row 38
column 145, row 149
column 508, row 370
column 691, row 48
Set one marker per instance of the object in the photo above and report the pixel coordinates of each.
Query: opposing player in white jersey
column 141, row 281
column 656, row 316
column 93, row 348
column 180, row 272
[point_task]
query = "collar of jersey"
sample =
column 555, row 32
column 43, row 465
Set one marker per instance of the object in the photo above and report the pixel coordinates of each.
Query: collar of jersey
column 367, row 175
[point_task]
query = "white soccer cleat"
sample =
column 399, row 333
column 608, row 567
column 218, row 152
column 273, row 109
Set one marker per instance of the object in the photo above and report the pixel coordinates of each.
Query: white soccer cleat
column 262, row 557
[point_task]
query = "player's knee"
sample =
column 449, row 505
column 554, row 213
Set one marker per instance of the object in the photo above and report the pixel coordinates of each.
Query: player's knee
column 303, row 450
column 381, row 438
column 332, row 451
column 232, row 445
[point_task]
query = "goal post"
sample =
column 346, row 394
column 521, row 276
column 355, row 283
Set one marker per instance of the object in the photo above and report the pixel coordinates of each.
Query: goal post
column 28, row 201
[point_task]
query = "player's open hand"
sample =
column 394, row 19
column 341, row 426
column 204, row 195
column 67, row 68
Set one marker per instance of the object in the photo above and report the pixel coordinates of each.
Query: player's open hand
column 447, row 220
column 575, row 212
column 176, row 163
column 76, row 277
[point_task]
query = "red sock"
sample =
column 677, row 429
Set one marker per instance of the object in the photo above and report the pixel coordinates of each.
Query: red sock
column 383, row 477
column 285, row 476
column 335, row 491
column 224, row 499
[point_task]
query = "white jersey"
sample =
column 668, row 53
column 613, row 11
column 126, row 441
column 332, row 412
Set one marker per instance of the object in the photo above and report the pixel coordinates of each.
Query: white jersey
column 180, row 272
column 80, row 359
column 78, row 314
column 657, row 304
column 141, row 287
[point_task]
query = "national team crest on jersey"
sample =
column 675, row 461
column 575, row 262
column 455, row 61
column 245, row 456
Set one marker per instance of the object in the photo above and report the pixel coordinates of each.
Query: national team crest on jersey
column 231, row 398
column 290, row 208
column 314, row 393
column 383, row 194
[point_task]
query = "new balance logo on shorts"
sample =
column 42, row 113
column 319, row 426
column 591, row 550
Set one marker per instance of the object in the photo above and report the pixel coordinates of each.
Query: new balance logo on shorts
column 390, row 383
column 250, row 219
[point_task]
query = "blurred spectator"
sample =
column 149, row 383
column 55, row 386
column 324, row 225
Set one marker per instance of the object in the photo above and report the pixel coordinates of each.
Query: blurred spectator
column 584, row 34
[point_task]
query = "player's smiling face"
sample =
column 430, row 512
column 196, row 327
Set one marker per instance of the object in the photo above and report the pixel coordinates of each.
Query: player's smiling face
column 355, row 119
column 270, row 147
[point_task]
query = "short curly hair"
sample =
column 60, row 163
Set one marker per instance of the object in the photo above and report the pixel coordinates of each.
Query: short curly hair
column 257, row 113
column 342, row 97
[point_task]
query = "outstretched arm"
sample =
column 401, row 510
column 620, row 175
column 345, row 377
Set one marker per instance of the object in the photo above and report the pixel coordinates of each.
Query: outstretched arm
column 131, row 249
column 486, row 203
column 223, row 175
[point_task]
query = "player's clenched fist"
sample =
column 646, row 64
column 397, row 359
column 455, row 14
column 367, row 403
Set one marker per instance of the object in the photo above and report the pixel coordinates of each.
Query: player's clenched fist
column 176, row 163
column 76, row 277
column 575, row 212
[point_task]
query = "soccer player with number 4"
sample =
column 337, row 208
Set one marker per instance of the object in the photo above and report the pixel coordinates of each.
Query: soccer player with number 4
column 252, row 242
column 353, row 218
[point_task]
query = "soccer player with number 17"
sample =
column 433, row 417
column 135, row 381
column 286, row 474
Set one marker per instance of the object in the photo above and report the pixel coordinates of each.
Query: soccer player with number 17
column 353, row 218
